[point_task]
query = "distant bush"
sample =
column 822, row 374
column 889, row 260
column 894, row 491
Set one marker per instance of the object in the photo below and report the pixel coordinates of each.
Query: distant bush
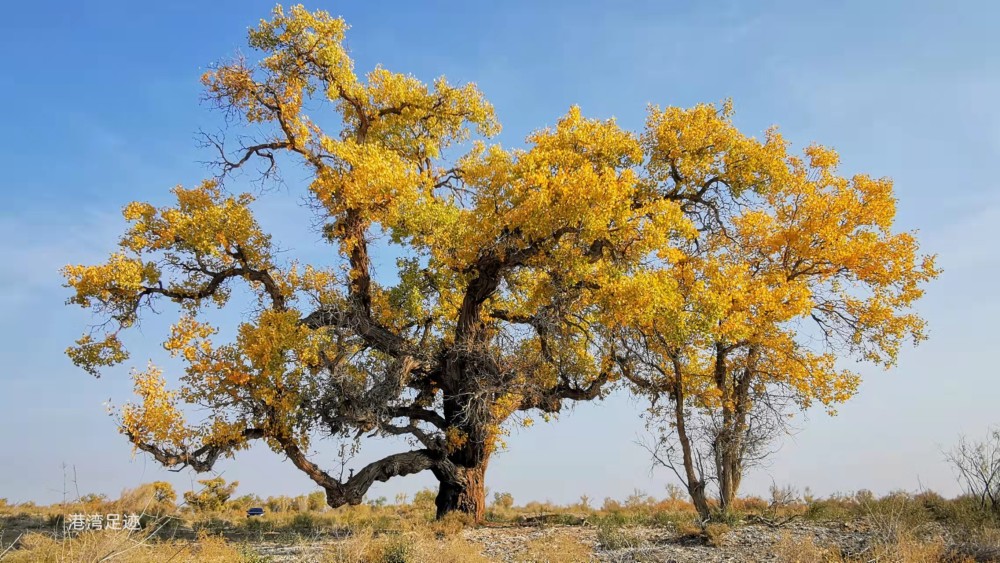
column 317, row 501
column 155, row 498
column 425, row 498
column 213, row 495
column 503, row 500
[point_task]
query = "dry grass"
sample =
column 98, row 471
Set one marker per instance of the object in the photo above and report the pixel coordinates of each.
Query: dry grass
column 715, row 533
column 364, row 546
column 791, row 549
column 900, row 527
column 121, row 546
column 614, row 535
column 909, row 549
column 557, row 548
column 904, row 549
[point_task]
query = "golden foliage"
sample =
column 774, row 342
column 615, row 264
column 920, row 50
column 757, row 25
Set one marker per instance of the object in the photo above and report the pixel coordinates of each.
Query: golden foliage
column 791, row 242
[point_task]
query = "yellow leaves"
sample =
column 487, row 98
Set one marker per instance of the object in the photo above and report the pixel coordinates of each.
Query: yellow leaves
column 205, row 222
column 578, row 174
column 811, row 376
column 236, row 84
column 188, row 337
column 120, row 278
column 394, row 124
column 404, row 107
column 578, row 141
column 692, row 149
column 156, row 418
column 808, row 246
column 257, row 381
column 368, row 177
column 206, row 233
column 290, row 36
column 505, row 405
column 821, row 157
column 319, row 284
column 875, row 197
column 137, row 210
column 264, row 343
column 91, row 354
column 455, row 439
column 641, row 300
column 112, row 288
column 577, row 179
column 226, row 433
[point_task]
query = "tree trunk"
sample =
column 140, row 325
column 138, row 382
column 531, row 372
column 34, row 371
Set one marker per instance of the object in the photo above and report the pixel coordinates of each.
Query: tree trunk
column 695, row 483
column 699, row 499
column 731, row 439
column 469, row 499
column 447, row 498
column 469, row 412
column 472, row 501
column 729, row 450
column 727, row 470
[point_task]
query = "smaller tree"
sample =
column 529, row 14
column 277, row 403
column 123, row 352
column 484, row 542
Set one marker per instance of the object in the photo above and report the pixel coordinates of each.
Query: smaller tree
column 163, row 492
column 149, row 498
column 793, row 268
column 978, row 467
column 213, row 495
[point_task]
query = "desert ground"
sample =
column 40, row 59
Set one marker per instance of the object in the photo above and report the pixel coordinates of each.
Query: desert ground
column 789, row 527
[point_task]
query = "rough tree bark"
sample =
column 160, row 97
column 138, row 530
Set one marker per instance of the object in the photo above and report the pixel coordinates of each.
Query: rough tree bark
column 472, row 501
column 469, row 498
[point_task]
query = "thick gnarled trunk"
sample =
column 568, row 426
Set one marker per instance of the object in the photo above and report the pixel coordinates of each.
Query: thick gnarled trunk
column 469, row 415
column 468, row 497
column 472, row 500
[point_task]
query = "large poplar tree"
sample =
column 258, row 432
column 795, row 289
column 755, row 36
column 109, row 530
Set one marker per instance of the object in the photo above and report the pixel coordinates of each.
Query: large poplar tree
column 528, row 272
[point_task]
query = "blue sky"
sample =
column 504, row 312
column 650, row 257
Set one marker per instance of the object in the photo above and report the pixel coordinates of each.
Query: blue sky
column 101, row 107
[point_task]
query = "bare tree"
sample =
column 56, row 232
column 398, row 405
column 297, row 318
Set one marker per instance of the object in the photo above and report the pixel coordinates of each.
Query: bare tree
column 978, row 467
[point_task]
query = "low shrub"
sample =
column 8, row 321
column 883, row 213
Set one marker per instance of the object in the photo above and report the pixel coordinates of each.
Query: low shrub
column 612, row 536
